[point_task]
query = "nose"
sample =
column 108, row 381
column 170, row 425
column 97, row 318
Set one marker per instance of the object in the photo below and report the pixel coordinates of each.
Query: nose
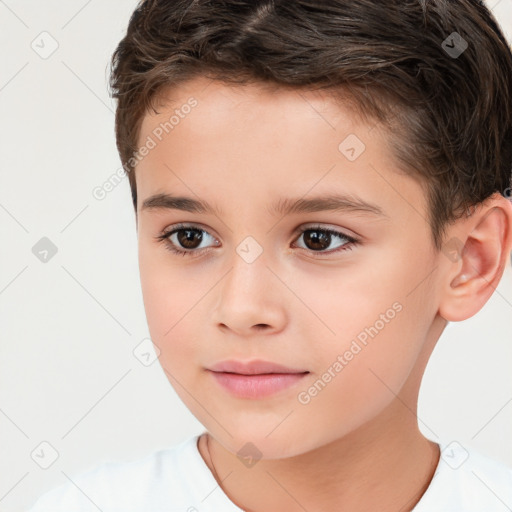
column 250, row 298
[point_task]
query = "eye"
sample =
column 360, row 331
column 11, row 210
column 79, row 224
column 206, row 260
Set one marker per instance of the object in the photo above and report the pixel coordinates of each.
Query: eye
column 186, row 240
column 184, row 236
column 317, row 239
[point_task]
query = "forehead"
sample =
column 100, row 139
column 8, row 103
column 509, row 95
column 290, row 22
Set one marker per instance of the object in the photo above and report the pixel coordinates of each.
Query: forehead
column 220, row 102
column 216, row 141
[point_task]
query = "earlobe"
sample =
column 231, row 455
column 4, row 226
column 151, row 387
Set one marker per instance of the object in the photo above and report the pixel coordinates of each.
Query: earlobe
column 484, row 240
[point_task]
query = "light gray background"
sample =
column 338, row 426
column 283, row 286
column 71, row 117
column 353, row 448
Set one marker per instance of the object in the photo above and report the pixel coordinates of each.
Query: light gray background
column 68, row 374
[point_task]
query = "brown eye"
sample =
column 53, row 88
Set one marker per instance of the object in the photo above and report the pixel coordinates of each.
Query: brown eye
column 316, row 240
column 189, row 238
column 186, row 240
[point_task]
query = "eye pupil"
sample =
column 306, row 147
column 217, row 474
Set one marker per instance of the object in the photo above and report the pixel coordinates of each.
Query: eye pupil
column 316, row 239
column 187, row 241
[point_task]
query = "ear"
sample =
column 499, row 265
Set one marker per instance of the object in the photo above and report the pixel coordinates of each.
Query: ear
column 478, row 252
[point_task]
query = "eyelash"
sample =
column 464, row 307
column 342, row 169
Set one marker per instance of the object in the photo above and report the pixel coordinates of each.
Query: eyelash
column 164, row 237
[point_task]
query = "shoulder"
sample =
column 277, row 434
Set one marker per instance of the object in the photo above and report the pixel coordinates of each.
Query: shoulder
column 150, row 483
column 466, row 480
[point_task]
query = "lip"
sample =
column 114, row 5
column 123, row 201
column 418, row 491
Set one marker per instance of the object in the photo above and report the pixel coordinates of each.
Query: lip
column 254, row 367
column 255, row 379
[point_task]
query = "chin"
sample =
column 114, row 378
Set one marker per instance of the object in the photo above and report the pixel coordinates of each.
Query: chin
column 254, row 443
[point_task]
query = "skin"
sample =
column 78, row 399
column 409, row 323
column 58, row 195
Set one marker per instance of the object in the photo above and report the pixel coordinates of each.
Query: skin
column 356, row 445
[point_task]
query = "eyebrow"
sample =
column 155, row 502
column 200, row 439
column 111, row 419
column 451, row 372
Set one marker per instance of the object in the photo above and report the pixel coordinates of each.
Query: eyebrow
column 284, row 206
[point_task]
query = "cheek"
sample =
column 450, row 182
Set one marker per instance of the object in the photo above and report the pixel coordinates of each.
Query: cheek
column 379, row 320
column 362, row 373
column 169, row 297
column 346, row 304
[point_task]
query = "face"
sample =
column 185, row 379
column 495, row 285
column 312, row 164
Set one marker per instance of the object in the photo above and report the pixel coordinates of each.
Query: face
column 343, row 296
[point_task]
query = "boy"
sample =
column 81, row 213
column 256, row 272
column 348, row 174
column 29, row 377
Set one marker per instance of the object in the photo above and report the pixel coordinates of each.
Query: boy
column 319, row 188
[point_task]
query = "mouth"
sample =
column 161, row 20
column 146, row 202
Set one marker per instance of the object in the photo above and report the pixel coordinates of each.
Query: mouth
column 255, row 379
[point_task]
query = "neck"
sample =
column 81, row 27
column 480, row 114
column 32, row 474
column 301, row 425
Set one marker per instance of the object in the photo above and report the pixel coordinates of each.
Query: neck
column 371, row 468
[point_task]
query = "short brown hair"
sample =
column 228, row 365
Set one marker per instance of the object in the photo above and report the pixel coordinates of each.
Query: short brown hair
column 403, row 63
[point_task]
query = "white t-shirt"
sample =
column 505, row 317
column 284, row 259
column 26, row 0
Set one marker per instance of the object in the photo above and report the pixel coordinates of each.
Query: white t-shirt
column 177, row 479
